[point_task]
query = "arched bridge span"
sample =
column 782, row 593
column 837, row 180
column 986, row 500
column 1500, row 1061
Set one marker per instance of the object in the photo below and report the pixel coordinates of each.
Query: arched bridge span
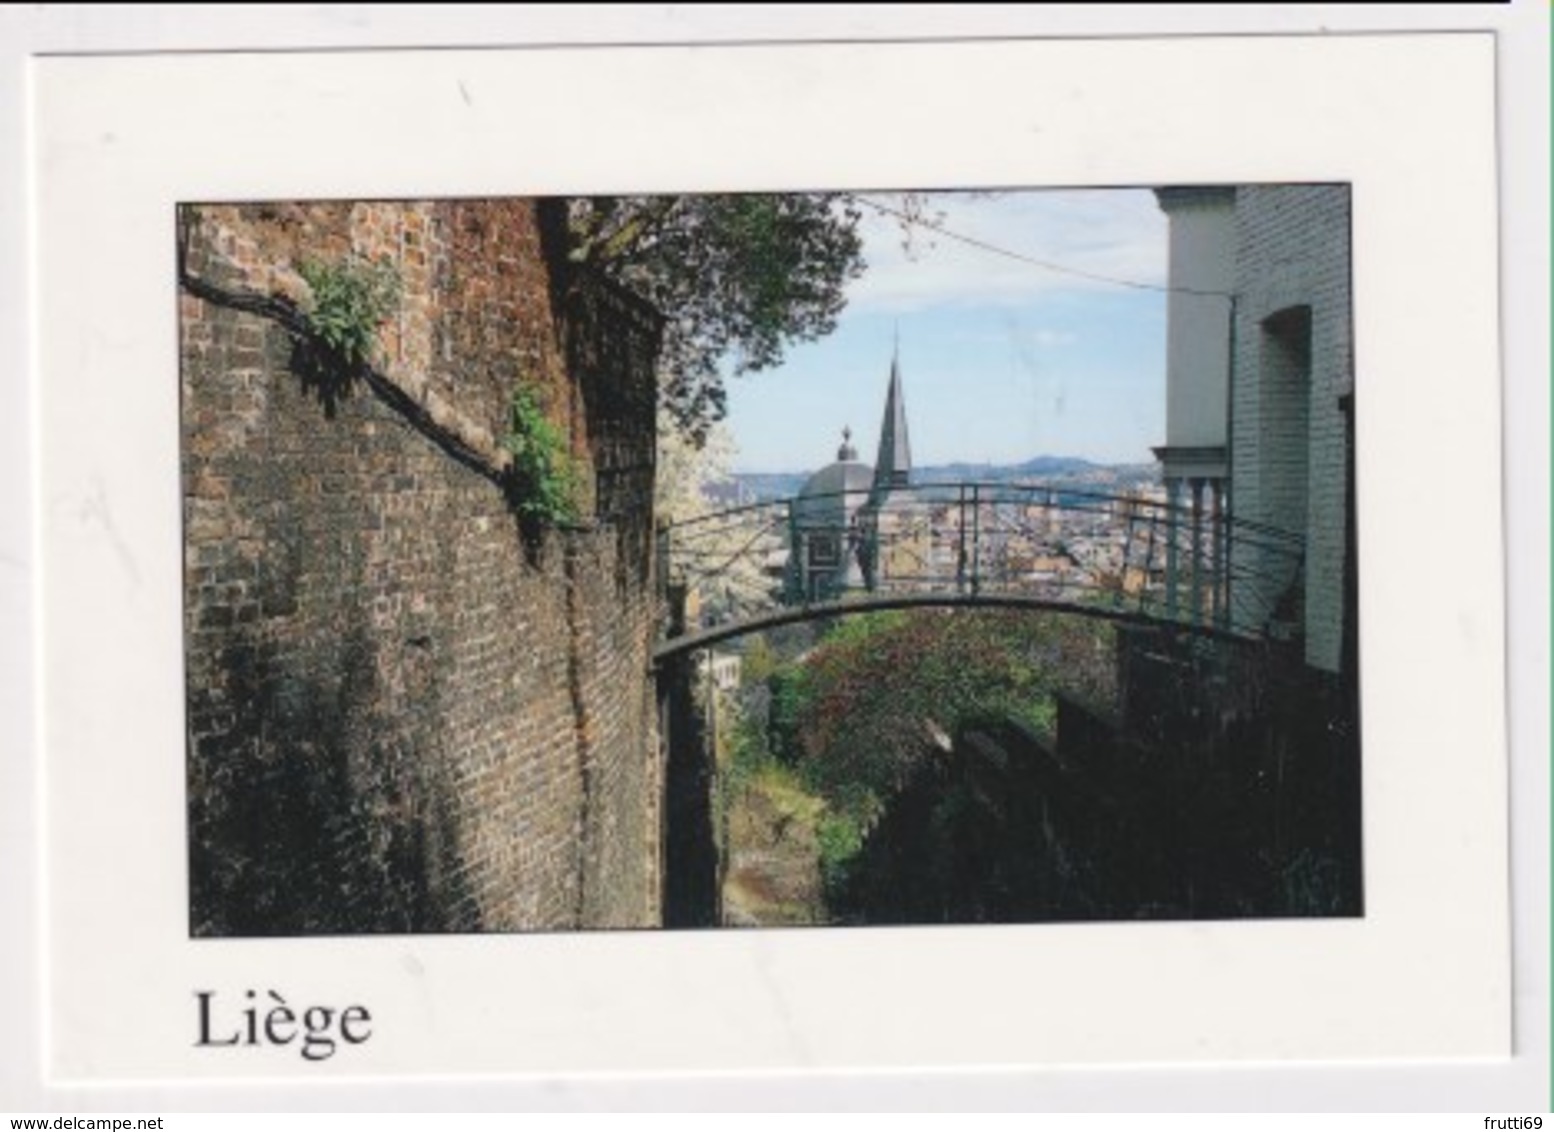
column 1128, row 556
column 693, row 641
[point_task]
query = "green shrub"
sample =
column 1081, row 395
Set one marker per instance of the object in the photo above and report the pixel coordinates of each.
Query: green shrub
column 351, row 299
column 546, row 483
column 839, row 836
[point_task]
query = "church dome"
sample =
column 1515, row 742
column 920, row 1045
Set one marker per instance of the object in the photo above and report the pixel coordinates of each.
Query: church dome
column 831, row 496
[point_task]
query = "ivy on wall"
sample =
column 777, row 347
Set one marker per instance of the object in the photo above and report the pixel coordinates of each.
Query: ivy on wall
column 546, row 482
column 350, row 301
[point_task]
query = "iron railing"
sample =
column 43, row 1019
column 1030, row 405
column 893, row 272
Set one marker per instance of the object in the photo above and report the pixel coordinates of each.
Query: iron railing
column 1134, row 554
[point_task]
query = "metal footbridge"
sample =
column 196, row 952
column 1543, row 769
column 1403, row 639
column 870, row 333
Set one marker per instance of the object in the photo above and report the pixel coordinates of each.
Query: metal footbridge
column 1132, row 556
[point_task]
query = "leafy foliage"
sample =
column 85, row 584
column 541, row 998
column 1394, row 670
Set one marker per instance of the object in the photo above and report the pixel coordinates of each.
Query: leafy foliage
column 883, row 689
column 739, row 276
column 840, row 836
column 546, row 483
column 687, row 473
column 350, row 300
column 792, row 693
column 857, row 715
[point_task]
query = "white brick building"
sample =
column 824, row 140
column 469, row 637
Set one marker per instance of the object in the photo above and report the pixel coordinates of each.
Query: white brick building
column 1260, row 405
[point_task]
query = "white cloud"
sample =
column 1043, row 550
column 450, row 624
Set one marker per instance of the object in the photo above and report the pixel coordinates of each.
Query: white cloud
column 1116, row 234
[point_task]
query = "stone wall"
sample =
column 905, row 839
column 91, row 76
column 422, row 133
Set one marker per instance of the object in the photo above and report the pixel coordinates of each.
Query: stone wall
column 1293, row 267
column 407, row 713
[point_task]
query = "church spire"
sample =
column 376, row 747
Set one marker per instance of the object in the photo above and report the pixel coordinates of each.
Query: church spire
column 894, row 466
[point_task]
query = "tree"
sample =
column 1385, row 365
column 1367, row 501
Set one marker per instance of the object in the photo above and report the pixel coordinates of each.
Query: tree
column 877, row 690
column 738, row 276
column 722, row 559
column 687, row 473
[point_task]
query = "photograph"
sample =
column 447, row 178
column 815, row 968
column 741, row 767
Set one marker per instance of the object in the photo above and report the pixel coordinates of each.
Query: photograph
column 837, row 558
column 878, row 566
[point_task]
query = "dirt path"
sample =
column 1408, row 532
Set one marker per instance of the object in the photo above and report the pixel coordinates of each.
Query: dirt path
column 772, row 877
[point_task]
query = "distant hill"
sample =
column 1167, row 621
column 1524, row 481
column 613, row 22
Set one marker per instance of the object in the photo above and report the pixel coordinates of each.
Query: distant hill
column 753, row 486
column 1041, row 467
column 750, row 486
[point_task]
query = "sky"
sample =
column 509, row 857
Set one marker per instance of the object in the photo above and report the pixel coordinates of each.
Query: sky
column 1001, row 360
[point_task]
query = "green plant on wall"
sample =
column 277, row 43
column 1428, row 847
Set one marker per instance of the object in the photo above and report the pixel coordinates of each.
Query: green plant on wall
column 546, row 483
column 350, row 300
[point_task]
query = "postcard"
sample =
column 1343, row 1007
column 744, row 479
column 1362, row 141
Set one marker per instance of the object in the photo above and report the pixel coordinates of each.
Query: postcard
column 771, row 558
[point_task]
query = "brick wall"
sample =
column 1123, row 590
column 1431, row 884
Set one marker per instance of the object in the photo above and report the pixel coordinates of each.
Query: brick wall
column 1288, row 444
column 405, row 712
column 613, row 335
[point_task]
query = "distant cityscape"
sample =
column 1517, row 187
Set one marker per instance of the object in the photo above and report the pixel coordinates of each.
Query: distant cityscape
column 1053, row 527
